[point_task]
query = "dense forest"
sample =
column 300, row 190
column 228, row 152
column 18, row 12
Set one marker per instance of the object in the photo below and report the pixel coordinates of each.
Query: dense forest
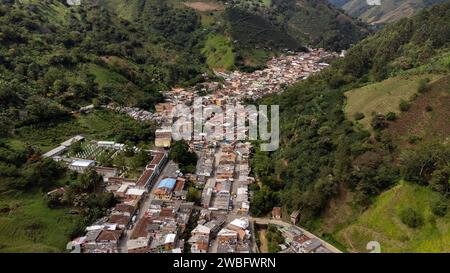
column 323, row 152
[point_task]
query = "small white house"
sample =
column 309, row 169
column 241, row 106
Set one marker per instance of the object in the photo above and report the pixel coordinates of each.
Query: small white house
column 81, row 165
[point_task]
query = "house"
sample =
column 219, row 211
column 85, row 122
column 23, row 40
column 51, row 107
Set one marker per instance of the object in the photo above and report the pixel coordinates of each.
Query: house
column 178, row 191
column 312, row 245
column 165, row 188
column 109, row 236
column 81, row 166
column 138, row 245
column 201, row 230
column 163, row 137
column 276, row 213
column 206, row 197
column 222, row 200
column 199, row 243
column 215, row 225
column 124, row 209
column 106, row 144
column 107, row 172
column 226, row 235
column 152, row 170
column 121, row 221
column 294, row 217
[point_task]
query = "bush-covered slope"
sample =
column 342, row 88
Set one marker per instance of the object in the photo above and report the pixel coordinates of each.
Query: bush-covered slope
column 66, row 57
column 322, row 153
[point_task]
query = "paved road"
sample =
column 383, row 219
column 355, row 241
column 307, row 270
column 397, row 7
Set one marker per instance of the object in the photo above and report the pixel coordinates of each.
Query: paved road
column 265, row 221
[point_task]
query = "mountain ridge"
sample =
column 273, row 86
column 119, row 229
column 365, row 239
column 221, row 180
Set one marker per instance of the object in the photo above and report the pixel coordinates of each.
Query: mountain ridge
column 388, row 11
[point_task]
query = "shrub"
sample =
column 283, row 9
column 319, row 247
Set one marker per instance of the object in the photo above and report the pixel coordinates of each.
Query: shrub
column 404, row 106
column 423, row 85
column 428, row 108
column 411, row 218
column 379, row 122
column 439, row 207
column 391, row 116
column 414, row 139
column 359, row 116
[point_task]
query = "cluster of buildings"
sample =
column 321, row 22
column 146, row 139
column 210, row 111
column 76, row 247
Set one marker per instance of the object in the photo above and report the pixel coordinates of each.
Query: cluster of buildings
column 84, row 159
column 135, row 113
column 295, row 240
column 153, row 217
column 281, row 71
column 227, row 183
column 105, row 235
column 214, row 233
column 161, row 228
column 238, row 86
column 235, row 237
column 298, row 242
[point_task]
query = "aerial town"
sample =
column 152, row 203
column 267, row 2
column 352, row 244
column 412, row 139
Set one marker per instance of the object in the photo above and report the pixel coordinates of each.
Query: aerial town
column 153, row 215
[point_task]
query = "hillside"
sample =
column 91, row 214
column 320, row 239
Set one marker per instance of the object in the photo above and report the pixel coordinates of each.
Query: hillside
column 382, row 223
column 66, row 53
column 255, row 29
column 331, row 168
column 388, row 11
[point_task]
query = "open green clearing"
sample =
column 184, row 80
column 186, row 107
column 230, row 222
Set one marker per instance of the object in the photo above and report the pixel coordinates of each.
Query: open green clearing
column 382, row 97
column 218, row 52
column 98, row 125
column 381, row 222
column 28, row 225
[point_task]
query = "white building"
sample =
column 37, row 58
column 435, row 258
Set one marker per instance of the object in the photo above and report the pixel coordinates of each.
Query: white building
column 81, row 165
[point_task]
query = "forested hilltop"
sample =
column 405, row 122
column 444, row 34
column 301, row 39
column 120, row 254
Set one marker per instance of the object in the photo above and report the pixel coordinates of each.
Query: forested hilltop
column 339, row 150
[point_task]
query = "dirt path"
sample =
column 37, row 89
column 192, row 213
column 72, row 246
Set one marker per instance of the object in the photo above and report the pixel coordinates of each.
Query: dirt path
column 263, row 248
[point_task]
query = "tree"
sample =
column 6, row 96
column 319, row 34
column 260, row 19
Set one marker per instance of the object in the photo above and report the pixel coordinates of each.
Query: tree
column 440, row 180
column 420, row 163
column 194, row 195
column 75, row 148
column 439, row 207
column 140, row 159
column 181, row 154
column 391, row 116
column 90, row 180
column 404, row 106
column 411, row 218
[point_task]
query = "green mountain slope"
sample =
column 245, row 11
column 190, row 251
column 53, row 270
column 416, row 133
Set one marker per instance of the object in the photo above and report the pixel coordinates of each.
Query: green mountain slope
column 254, row 28
column 57, row 51
column 388, row 11
column 327, row 166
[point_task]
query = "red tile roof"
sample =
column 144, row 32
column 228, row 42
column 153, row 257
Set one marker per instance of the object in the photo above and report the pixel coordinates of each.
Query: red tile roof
column 109, row 235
